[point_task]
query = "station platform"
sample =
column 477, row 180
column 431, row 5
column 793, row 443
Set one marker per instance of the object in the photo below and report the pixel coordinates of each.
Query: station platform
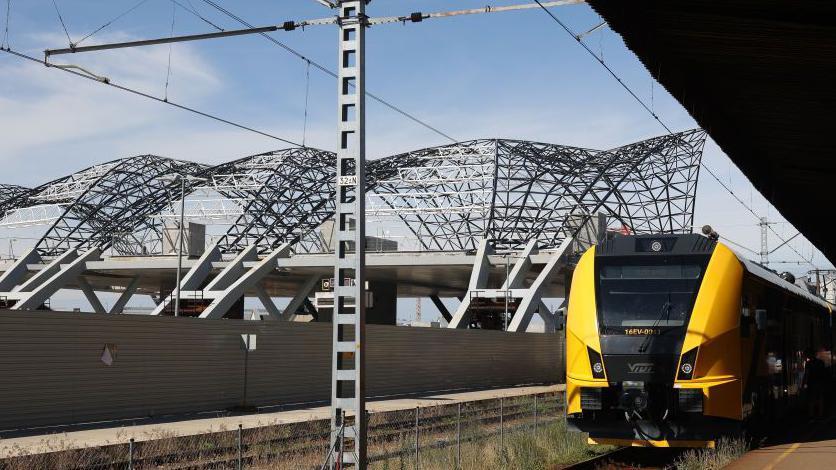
column 100, row 434
column 811, row 446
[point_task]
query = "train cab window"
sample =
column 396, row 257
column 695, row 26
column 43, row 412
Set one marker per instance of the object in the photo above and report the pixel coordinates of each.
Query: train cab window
column 647, row 295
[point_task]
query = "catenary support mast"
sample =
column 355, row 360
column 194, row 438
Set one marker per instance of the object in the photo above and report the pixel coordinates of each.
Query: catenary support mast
column 349, row 324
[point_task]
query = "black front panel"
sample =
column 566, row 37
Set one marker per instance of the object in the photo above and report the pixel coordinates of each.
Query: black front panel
column 645, row 290
column 656, row 245
column 642, row 358
column 665, row 341
column 648, row 368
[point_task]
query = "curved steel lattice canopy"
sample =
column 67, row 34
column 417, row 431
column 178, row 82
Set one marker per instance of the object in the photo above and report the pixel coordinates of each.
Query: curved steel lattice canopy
column 284, row 195
column 513, row 191
column 107, row 205
column 11, row 197
column 449, row 197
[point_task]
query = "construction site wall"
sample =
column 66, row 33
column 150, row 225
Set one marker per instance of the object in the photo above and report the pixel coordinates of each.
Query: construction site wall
column 63, row 368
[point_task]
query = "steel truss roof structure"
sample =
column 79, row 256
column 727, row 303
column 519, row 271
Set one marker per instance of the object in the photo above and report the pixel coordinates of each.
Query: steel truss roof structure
column 513, row 191
column 11, row 197
column 103, row 206
column 449, row 197
column 284, row 195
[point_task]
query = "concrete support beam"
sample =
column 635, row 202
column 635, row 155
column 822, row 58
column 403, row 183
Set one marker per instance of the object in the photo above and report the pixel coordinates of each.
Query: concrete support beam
column 201, row 270
column 92, row 298
column 298, row 301
column 268, row 303
column 123, row 299
column 523, row 265
column 442, row 309
column 17, row 272
column 48, row 271
column 193, row 279
column 478, row 280
column 243, row 281
column 533, row 298
column 547, row 316
column 63, row 274
column 235, row 269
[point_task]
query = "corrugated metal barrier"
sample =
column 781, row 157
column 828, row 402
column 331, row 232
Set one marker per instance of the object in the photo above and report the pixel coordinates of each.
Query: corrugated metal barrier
column 54, row 366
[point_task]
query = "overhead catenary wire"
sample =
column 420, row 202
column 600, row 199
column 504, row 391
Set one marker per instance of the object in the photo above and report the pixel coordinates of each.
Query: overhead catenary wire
column 191, row 9
column 328, row 71
column 655, row 116
column 63, row 25
column 170, row 47
column 307, row 94
column 741, row 246
column 183, row 107
column 6, row 30
column 786, row 242
column 108, row 23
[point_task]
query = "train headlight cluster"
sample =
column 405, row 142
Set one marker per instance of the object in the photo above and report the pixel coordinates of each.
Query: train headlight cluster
column 596, row 363
column 686, row 365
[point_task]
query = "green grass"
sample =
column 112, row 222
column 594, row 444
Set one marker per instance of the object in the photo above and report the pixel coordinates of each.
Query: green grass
column 555, row 445
column 726, row 451
column 551, row 446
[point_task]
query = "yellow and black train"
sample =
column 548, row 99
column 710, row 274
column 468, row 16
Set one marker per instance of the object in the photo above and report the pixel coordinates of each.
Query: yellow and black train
column 675, row 340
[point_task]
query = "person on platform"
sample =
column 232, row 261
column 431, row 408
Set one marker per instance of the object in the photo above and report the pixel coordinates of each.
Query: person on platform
column 815, row 383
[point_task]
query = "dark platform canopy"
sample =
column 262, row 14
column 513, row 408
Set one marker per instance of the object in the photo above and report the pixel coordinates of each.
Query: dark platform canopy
column 760, row 77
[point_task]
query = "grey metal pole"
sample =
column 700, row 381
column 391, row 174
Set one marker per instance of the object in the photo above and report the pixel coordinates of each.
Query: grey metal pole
column 501, row 426
column 417, row 444
column 535, row 414
column 180, row 245
column 131, row 454
column 240, row 449
column 459, row 437
column 246, row 366
column 507, row 286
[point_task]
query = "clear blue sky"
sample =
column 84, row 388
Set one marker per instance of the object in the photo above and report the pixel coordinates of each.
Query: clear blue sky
column 513, row 75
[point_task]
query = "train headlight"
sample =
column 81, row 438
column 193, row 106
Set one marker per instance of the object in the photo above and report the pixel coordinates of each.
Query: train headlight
column 596, row 363
column 687, row 364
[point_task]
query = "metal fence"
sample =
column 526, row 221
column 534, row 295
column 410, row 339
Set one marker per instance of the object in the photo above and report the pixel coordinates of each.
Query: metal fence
column 456, row 435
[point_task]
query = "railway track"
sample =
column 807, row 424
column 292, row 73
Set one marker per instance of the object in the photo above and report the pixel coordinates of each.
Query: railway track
column 630, row 458
column 220, row 450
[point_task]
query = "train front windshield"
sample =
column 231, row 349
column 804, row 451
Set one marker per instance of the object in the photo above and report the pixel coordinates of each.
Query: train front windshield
column 639, row 296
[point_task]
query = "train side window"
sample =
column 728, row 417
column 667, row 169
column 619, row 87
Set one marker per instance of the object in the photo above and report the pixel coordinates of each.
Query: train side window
column 760, row 319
